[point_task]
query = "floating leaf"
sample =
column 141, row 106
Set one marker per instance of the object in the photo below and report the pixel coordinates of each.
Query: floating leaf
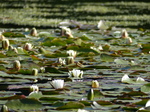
column 71, row 105
column 35, row 95
column 135, row 93
column 2, row 55
column 146, row 47
column 12, row 34
column 24, row 104
column 52, row 70
column 106, row 57
column 120, row 61
column 51, row 99
column 145, row 88
column 54, row 42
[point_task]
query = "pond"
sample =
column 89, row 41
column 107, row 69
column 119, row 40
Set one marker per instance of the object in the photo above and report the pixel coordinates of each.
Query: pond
column 85, row 67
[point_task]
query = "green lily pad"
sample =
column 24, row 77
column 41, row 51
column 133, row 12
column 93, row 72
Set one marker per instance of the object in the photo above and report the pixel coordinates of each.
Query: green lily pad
column 12, row 34
column 120, row 61
column 106, row 57
column 50, row 99
column 35, row 95
column 71, row 105
column 146, row 47
column 24, row 104
column 145, row 88
column 54, row 42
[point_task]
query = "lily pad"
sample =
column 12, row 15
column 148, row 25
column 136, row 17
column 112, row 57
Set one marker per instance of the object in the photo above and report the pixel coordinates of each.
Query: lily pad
column 71, row 105
column 145, row 88
column 106, row 57
column 24, row 104
column 12, row 34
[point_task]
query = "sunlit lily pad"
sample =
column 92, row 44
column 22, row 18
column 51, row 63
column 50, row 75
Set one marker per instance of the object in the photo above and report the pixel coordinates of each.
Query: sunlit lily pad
column 12, row 34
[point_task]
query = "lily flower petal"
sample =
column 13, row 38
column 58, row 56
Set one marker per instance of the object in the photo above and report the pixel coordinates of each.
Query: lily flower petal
column 58, row 84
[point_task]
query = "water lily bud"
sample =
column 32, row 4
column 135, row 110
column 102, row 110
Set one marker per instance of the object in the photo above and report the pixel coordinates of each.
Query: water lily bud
column 72, row 53
column 2, row 37
column 42, row 69
column 58, row 83
column 5, row 44
column 101, row 25
column 28, row 47
column 34, row 72
column 34, row 88
column 90, row 95
column 4, row 108
column 95, row 84
column 139, row 79
column 17, row 65
column 124, row 34
column 69, row 60
column 33, row 32
column 75, row 73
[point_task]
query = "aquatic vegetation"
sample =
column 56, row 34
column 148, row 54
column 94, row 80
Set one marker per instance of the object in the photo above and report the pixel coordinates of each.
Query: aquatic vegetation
column 78, row 65
column 72, row 53
column 5, row 44
column 16, row 65
column 95, row 84
column 76, row 73
column 28, row 46
column 57, row 83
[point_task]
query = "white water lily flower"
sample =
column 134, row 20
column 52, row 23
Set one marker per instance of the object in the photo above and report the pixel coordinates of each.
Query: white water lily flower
column 61, row 61
column 82, row 110
column 72, row 53
column 101, row 25
column 125, row 78
column 147, row 106
column 66, row 32
column 75, row 73
column 139, row 79
column 58, row 83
